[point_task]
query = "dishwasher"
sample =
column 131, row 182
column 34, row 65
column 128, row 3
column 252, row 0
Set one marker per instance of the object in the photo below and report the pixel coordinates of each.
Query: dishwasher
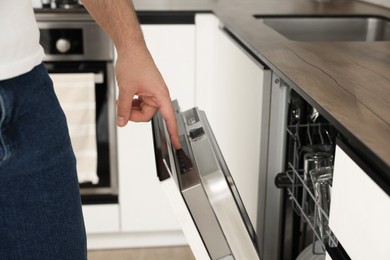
column 294, row 219
column 304, row 183
column 201, row 190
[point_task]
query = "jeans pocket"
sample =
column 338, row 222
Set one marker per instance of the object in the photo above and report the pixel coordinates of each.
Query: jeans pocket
column 4, row 151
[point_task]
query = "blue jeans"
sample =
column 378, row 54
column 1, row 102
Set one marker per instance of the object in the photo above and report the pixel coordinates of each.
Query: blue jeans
column 40, row 207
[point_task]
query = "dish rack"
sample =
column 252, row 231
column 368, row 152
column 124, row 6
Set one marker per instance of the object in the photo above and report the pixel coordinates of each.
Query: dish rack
column 305, row 138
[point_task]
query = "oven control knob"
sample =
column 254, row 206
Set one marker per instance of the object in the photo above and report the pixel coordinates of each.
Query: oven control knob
column 63, row 45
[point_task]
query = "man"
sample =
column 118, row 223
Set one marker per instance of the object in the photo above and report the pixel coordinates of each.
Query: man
column 40, row 209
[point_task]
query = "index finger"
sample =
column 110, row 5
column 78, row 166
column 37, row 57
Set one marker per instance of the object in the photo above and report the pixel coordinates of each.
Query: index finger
column 169, row 116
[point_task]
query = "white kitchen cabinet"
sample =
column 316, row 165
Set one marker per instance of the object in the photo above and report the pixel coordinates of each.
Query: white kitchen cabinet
column 359, row 211
column 144, row 209
column 101, row 218
column 234, row 91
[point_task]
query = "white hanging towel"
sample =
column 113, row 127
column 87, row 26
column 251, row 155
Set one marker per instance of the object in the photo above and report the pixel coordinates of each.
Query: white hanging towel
column 76, row 94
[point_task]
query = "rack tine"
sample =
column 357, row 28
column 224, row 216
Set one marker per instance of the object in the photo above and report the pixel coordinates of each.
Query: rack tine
column 308, row 134
column 320, row 132
column 327, row 134
column 298, row 146
column 297, row 136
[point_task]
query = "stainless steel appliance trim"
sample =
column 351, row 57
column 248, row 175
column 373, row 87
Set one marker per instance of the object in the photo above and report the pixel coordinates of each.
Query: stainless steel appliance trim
column 97, row 45
column 264, row 143
column 208, row 226
column 62, row 16
column 276, row 161
column 112, row 134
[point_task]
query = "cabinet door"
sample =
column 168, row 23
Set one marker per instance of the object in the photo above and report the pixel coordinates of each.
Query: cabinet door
column 234, row 91
column 359, row 211
column 101, row 218
column 143, row 206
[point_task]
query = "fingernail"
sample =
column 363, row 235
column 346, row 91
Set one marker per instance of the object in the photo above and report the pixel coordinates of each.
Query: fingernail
column 120, row 121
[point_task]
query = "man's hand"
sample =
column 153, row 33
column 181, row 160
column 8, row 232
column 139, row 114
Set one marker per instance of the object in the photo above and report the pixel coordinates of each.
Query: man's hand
column 142, row 90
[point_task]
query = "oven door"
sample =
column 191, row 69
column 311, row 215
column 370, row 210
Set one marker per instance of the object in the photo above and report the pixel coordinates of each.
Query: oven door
column 202, row 191
column 104, row 191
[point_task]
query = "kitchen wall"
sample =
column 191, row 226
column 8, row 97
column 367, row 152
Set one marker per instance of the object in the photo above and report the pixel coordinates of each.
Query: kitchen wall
column 385, row 3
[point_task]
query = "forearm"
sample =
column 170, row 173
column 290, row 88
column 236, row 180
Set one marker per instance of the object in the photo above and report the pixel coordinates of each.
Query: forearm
column 118, row 19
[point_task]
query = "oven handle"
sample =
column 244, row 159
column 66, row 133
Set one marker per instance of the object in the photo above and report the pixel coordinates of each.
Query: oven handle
column 99, row 78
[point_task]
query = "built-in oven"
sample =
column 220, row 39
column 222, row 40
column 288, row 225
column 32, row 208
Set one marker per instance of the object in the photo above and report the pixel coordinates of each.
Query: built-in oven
column 79, row 57
column 202, row 191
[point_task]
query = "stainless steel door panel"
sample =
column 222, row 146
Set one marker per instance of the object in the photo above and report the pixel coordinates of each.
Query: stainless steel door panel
column 220, row 196
column 207, row 188
column 208, row 227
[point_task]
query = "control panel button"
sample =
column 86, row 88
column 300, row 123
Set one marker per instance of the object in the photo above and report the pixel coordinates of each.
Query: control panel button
column 196, row 133
column 185, row 163
column 191, row 116
column 191, row 121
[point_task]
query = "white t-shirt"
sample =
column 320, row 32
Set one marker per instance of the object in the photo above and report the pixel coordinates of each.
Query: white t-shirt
column 20, row 50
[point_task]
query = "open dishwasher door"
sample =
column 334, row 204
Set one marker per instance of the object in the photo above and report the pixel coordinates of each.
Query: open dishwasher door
column 201, row 190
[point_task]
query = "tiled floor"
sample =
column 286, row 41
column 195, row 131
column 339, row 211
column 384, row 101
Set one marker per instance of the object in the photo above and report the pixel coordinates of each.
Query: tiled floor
column 163, row 253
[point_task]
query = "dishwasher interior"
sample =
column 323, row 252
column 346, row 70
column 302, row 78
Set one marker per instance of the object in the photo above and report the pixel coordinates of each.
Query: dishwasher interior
column 306, row 184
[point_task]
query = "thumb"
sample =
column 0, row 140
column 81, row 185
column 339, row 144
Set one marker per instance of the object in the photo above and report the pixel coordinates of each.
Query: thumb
column 124, row 105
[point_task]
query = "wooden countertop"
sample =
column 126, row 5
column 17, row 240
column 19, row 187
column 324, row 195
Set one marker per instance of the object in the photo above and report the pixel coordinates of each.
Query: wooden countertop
column 348, row 82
